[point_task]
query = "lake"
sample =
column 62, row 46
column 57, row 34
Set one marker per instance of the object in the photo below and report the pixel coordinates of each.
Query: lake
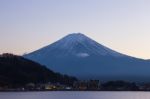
column 74, row 95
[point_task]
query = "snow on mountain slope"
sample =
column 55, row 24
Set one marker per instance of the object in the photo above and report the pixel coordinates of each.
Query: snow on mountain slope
column 79, row 45
column 78, row 55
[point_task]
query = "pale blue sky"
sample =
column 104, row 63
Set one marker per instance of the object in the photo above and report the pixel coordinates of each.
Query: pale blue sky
column 123, row 25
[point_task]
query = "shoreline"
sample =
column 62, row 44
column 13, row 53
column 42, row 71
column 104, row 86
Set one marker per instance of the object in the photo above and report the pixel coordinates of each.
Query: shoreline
column 75, row 90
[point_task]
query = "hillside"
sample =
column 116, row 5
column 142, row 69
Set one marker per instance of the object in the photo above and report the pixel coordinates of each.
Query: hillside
column 18, row 71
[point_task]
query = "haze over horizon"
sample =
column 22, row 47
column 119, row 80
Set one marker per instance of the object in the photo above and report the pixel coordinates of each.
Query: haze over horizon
column 27, row 25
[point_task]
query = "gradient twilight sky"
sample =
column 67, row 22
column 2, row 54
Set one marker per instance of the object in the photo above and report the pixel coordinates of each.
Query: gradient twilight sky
column 122, row 25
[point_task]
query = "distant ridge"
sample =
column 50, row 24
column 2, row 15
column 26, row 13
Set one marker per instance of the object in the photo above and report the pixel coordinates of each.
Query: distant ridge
column 80, row 56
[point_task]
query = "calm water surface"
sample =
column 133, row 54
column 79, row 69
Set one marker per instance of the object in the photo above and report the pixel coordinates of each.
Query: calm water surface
column 75, row 95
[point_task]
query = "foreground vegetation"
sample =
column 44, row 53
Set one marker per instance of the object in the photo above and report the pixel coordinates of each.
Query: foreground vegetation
column 16, row 71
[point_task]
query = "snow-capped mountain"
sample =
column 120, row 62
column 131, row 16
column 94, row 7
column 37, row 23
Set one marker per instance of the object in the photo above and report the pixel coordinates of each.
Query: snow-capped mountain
column 78, row 55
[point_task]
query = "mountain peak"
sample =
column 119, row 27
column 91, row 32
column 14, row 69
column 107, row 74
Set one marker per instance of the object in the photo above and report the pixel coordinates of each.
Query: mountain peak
column 75, row 37
column 76, row 34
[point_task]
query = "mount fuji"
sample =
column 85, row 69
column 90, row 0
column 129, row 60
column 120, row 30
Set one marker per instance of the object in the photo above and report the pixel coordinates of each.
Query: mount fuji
column 80, row 56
